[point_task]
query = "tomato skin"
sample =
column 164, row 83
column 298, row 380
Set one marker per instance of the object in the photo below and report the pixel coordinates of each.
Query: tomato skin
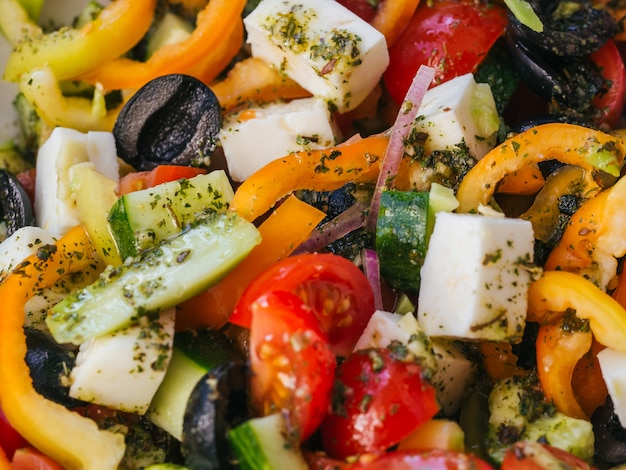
column 435, row 459
column 292, row 364
column 451, row 36
column 527, row 455
column 10, row 439
column 138, row 180
column 381, row 398
column 611, row 104
column 29, row 458
column 27, row 179
column 334, row 287
column 362, row 8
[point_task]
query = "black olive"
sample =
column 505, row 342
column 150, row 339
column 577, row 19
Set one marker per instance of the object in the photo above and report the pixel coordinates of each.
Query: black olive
column 218, row 403
column 15, row 206
column 49, row 362
column 174, row 119
column 570, row 29
column 610, row 435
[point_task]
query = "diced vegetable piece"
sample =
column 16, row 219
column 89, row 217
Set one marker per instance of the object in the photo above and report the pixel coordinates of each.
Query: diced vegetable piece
column 475, row 277
column 159, row 278
column 171, row 29
column 142, row 218
column 402, row 232
column 260, row 443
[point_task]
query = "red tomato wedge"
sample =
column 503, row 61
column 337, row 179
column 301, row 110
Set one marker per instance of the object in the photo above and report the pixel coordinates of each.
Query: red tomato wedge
column 526, row 455
column 611, row 103
column 365, row 9
column 451, row 36
column 10, row 439
column 379, row 399
column 138, row 180
column 30, row 458
column 435, row 459
column 332, row 286
column 292, row 365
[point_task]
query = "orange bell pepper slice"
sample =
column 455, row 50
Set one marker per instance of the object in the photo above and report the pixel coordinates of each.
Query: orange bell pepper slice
column 322, row 170
column 72, row 52
column 525, row 181
column 499, row 360
column 568, row 143
column 594, row 237
column 392, row 17
column 213, row 25
column 81, row 445
column 214, row 306
column 587, row 380
column 559, row 349
column 557, row 292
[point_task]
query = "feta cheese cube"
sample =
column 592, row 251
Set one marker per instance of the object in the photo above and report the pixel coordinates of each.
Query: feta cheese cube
column 474, row 278
column 321, row 45
column 455, row 112
column 254, row 137
column 454, row 374
column 614, row 374
column 55, row 206
column 22, row 243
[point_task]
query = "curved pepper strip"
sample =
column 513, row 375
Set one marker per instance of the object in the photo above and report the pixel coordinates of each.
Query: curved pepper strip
column 587, row 380
column 42, row 89
column 558, row 351
column 392, row 17
column 213, row 24
column 41, row 421
column 568, row 143
column 594, row 237
column 15, row 23
column 320, row 170
column 72, row 52
column 556, row 292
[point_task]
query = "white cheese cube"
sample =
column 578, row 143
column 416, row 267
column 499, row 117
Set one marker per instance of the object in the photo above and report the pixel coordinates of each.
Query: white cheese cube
column 55, row 205
column 453, row 376
column 254, row 137
column 474, row 280
column 614, row 373
column 124, row 369
column 321, row 45
column 454, row 112
column 22, row 243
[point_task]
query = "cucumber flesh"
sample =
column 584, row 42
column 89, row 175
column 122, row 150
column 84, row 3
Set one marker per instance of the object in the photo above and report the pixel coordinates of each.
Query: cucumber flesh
column 261, row 444
column 159, row 278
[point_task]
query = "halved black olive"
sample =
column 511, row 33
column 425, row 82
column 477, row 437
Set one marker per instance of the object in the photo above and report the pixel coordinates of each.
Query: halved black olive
column 16, row 209
column 570, row 29
column 49, row 362
column 218, row 403
column 174, row 119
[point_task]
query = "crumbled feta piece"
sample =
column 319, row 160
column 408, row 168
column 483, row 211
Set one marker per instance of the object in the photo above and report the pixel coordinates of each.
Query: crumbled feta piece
column 321, row 45
column 612, row 367
column 475, row 277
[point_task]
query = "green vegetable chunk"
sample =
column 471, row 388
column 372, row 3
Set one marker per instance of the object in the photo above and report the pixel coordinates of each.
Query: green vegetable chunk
column 159, row 278
column 404, row 224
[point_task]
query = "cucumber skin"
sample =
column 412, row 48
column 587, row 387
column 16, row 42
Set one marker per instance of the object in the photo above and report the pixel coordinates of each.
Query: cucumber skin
column 402, row 230
column 159, row 278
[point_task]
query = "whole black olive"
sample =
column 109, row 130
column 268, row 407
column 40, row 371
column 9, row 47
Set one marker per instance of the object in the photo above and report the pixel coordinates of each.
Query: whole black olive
column 218, row 403
column 48, row 362
column 174, row 119
column 570, row 28
column 610, row 435
column 16, row 208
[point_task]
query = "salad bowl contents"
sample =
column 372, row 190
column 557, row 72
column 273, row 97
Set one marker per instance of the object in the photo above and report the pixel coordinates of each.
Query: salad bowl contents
column 344, row 234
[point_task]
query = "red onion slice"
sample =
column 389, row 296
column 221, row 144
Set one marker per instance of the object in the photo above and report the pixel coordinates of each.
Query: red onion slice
column 371, row 268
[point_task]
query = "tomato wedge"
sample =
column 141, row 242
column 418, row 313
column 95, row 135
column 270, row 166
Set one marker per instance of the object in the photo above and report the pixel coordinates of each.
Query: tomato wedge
column 10, row 439
column 379, row 399
column 451, row 36
column 435, row 459
column 332, row 286
column 610, row 103
column 292, row 365
column 138, row 180
column 527, row 455
column 29, row 458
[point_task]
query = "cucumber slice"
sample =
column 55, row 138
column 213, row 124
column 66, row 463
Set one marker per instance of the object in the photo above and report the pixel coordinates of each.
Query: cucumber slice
column 261, row 444
column 140, row 219
column 402, row 230
column 195, row 353
column 159, row 278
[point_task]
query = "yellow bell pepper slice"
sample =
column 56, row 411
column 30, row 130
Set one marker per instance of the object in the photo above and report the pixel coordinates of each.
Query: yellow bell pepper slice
column 16, row 24
column 72, row 52
column 556, row 292
column 568, row 143
column 81, row 445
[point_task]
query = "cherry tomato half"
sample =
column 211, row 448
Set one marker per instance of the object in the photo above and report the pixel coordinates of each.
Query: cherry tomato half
column 10, row 439
column 379, row 399
column 451, row 36
column 435, row 459
column 292, row 365
column 365, row 9
column 334, row 287
column 527, row 455
column 138, row 180
column 30, row 458
column 611, row 103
